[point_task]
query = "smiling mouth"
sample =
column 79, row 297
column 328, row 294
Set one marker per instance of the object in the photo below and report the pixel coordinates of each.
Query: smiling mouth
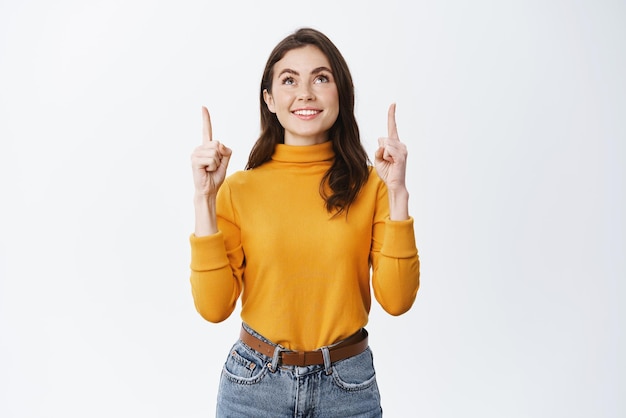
column 306, row 112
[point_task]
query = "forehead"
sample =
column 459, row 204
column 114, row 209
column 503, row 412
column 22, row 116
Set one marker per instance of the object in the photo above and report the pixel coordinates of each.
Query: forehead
column 302, row 60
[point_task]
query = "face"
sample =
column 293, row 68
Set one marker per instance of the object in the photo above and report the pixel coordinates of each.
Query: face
column 304, row 96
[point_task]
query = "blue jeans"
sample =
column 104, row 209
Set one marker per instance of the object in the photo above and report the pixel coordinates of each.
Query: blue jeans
column 253, row 385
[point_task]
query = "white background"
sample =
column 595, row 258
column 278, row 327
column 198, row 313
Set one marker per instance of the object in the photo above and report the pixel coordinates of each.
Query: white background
column 514, row 115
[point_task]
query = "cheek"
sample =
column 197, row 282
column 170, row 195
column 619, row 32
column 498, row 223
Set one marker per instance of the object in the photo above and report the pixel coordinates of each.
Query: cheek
column 333, row 97
column 282, row 104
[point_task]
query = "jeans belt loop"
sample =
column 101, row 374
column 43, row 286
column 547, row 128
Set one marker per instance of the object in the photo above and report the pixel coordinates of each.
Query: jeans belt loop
column 327, row 363
column 273, row 366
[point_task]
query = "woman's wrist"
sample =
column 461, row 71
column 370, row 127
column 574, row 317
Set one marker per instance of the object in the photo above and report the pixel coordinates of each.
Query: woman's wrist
column 399, row 204
column 205, row 215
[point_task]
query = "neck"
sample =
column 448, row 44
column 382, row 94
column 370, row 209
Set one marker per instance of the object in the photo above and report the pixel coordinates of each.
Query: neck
column 301, row 141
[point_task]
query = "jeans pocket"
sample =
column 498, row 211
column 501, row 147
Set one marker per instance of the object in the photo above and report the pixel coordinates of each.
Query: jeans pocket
column 356, row 372
column 243, row 366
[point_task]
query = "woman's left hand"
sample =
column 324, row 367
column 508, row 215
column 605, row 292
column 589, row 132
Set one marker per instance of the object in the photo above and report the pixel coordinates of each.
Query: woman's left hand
column 390, row 158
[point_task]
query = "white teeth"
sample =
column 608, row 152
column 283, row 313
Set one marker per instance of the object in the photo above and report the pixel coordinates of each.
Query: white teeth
column 306, row 112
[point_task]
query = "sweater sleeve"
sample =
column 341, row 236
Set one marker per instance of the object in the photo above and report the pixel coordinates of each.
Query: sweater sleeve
column 395, row 261
column 217, row 264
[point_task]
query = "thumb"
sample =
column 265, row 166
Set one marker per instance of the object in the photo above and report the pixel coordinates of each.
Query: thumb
column 382, row 149
column 380, row 152
column 226, row 153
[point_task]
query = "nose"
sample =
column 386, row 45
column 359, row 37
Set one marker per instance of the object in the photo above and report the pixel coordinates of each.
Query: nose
column 306, row 93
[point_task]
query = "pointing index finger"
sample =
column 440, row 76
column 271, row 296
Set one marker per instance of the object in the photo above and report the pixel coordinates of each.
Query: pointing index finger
column 207, row 130
column 392, row 129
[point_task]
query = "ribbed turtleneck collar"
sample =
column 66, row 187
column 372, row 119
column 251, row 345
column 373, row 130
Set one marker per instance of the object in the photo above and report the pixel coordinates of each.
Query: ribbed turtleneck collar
column 304, row 154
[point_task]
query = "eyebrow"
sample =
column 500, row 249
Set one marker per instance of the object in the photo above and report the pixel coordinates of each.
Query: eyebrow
column 314, row 71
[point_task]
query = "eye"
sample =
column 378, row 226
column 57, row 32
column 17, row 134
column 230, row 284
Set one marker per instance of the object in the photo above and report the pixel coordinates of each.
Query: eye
column 288, row 81
column 322, row 78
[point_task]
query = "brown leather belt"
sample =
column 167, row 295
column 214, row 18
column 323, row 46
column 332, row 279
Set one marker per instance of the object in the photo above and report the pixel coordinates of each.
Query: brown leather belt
column 349, row 347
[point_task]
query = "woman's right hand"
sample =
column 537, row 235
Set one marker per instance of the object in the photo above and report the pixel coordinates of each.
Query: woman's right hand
column 209, row 161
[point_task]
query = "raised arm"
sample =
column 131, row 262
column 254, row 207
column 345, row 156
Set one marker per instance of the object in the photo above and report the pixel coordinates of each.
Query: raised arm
column 214, row 285
column 395, row 261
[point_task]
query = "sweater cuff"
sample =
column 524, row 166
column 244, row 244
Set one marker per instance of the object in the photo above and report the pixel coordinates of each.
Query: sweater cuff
column 208, row 253
column 399, row 239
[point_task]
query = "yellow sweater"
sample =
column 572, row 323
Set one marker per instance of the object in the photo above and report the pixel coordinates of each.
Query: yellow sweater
column 303, row 277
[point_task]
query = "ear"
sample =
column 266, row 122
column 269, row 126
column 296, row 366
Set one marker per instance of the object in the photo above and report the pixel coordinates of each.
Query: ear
column 269, row 101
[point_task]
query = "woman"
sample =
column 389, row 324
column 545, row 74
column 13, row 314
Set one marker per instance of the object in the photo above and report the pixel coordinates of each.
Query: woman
column 295, row 235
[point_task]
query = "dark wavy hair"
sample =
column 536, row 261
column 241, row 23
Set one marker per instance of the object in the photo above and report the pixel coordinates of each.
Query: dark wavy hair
column 350, row 169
